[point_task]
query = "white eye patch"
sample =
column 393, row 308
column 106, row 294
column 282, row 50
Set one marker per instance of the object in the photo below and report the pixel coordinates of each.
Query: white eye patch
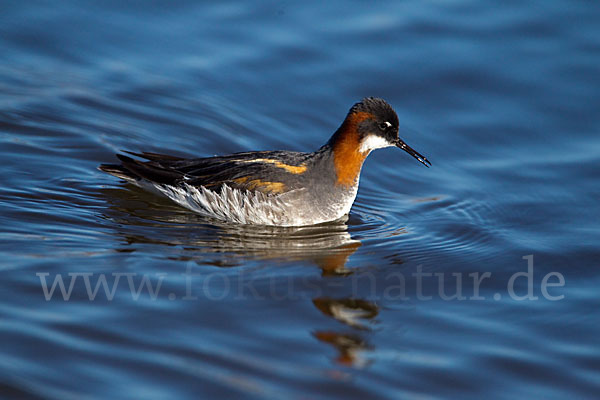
column 373, row 142
column 387, row 124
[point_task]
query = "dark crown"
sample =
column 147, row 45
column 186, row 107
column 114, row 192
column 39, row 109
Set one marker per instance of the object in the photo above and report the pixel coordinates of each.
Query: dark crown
column 378, row 107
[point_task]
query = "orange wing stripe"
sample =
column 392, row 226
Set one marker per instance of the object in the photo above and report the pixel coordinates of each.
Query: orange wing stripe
column 263, row 186
column 300, row 169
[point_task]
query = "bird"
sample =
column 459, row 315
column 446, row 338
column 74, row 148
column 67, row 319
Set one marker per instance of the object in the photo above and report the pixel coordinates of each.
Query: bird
column 281, row 188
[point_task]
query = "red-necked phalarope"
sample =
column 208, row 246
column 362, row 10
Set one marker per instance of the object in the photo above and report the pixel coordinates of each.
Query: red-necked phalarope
column 283, row 188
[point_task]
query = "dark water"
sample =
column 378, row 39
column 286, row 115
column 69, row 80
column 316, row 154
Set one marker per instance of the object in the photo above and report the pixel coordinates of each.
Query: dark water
column 503, row 98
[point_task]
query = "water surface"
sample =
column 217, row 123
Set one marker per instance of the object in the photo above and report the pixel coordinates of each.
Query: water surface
column 503, row 99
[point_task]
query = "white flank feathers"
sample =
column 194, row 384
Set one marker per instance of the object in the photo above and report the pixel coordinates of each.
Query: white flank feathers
column 292, row 208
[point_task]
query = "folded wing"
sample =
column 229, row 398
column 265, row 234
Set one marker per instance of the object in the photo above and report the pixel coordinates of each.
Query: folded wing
column 270, row 172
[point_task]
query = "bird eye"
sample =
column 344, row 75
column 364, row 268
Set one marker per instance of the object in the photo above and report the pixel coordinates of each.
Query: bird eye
column 384, row 125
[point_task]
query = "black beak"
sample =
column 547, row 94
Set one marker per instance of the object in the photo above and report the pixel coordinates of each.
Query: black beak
column 400, row 143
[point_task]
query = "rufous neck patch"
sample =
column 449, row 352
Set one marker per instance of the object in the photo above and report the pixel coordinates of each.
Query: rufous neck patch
column 347, row 157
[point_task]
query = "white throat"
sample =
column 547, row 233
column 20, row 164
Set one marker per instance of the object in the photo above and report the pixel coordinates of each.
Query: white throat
column 373, row 142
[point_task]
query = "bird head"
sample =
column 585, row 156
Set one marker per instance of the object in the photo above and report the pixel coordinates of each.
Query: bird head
column 376, row 124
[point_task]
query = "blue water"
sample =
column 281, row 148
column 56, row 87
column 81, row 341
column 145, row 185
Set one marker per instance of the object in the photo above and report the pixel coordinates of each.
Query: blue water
column 503, row 98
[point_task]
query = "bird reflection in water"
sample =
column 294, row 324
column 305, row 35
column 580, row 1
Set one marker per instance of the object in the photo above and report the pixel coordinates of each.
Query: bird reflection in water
column 355, row 313
column 145, row 219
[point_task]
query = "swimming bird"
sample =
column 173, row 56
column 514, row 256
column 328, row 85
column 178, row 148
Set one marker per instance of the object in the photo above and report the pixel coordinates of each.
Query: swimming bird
column 284, row 188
